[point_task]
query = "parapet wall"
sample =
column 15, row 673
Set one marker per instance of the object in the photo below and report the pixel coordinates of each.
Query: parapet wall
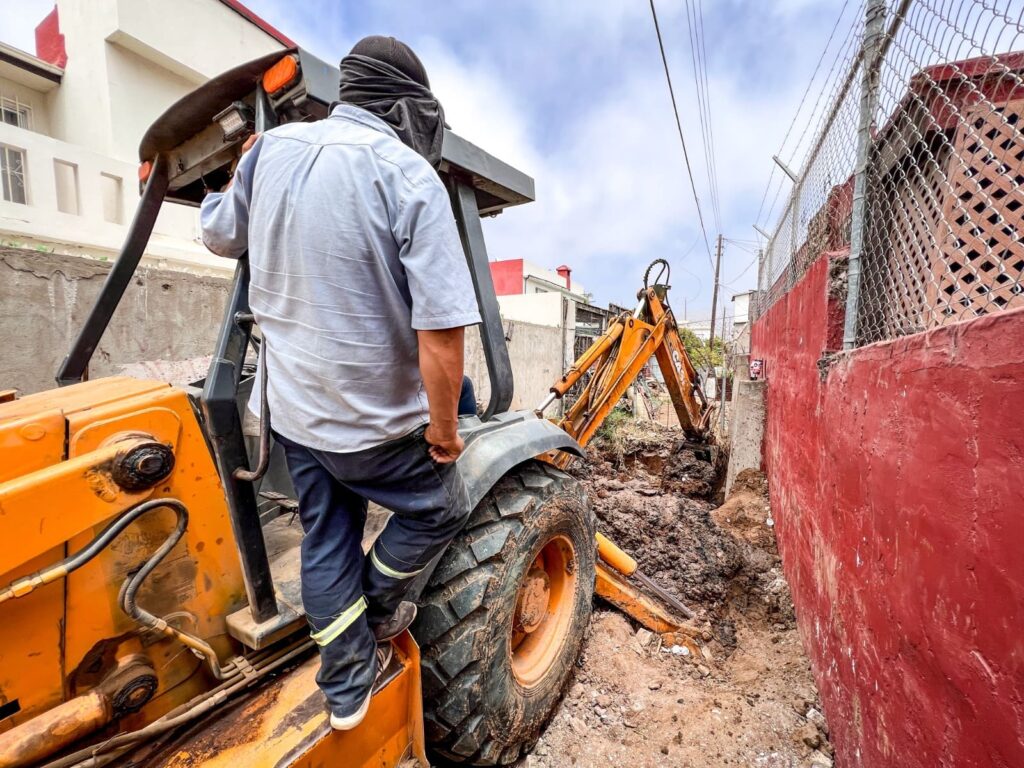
column 895, row 474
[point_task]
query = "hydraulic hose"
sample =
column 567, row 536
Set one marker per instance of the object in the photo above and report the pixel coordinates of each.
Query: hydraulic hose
column 70, row 564
column 130, row 588
column 109, row 751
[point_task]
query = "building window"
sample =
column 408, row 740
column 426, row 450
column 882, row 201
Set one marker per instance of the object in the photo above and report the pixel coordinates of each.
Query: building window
column 12, row 174
column 15, row 113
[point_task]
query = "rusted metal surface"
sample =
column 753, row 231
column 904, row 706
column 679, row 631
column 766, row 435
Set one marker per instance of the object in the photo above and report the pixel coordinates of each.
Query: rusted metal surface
column 65, row 637
column 53, row 730
column 285, row 724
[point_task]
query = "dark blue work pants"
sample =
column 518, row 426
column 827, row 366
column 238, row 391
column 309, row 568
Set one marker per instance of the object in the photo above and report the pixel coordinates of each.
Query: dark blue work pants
column 344, row 593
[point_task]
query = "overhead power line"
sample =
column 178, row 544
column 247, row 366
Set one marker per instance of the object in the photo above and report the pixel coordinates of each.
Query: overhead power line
column 679, row 126
column 700, row 56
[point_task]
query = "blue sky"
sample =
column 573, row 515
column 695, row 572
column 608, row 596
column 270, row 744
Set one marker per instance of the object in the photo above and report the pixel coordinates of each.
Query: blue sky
column 574, row 94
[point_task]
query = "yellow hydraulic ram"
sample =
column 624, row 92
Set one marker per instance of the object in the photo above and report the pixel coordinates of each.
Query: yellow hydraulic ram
column 613, row 584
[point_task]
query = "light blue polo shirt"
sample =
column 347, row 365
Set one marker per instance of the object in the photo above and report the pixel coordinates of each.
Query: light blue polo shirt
column 352, row 248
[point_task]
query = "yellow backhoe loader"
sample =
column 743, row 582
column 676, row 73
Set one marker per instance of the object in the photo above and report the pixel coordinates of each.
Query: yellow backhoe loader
column 149, row 580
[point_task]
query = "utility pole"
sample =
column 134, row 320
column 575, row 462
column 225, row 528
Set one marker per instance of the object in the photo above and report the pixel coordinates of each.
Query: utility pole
column 725, row 373
column 714, row 295
column 714, row 311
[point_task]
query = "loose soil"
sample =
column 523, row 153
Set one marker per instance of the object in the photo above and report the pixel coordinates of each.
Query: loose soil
column 751, row 700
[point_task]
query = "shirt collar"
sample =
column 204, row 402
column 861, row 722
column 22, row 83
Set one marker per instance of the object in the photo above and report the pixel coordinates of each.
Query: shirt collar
column 345, row 111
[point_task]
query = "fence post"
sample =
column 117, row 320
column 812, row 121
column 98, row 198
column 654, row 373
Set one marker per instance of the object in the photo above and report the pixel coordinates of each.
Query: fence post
column 871, row 49
column 794, row 237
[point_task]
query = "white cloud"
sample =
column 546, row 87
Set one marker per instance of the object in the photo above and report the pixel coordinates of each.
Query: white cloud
column 612, row 190
column 574, row 95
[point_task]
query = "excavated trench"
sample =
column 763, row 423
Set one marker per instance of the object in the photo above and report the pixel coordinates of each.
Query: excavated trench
column 653, row 495
column 749, row 697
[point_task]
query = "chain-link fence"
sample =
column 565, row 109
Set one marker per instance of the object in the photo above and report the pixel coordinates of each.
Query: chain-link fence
column 917, row 170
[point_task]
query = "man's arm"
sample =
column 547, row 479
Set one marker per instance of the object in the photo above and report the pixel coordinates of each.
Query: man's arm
column 441, row 360
column 224, row 216
column 443, row 303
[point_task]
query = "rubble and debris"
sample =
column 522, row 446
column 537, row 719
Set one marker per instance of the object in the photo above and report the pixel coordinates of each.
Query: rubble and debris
column 652, row 490
column 749, row 699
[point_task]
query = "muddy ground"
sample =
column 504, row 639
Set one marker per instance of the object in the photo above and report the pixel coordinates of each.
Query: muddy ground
column 750, row 701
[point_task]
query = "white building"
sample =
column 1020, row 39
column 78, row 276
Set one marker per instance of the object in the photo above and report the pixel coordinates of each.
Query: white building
column 534, row 294
column 741, row 308
column 700, row 328
column 74, row 113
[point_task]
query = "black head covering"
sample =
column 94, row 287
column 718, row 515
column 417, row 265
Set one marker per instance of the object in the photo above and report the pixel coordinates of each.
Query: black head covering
column 383, row 76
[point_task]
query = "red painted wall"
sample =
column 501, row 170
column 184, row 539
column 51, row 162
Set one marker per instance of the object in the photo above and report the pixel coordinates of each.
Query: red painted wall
column 507, row 276
column 50, row 41
column 897, row 484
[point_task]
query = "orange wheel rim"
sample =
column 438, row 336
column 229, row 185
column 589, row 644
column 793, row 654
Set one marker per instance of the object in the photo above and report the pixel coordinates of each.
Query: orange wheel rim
column 544, row 609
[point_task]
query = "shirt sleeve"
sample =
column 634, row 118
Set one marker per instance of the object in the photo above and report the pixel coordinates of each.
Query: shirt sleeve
column 224, row 216
column 435, row 264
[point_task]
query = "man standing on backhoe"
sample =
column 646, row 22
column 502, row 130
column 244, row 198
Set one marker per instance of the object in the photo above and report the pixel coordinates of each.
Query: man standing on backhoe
column 362, row 292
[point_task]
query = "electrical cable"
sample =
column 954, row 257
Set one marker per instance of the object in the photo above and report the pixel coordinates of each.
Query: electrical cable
column 679, row 126
column 703, row 111
column 707, row 102
column 741, row 274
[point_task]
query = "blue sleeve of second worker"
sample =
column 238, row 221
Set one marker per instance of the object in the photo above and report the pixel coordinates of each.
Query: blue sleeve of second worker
column 224, row 216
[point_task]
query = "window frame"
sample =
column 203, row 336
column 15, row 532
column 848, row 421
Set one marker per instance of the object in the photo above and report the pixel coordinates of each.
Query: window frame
column 22, row 112
column 6, row 175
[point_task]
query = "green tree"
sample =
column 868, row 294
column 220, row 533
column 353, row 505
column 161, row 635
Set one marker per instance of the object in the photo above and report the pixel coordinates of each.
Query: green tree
column 700, row 355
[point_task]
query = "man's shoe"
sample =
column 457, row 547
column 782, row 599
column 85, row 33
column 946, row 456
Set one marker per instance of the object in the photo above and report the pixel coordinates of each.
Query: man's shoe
column 348, row 722
column 400, row 620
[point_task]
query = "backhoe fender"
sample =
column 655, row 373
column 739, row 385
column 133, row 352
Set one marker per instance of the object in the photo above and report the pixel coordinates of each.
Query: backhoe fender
column 495, row 446
column 492, row 449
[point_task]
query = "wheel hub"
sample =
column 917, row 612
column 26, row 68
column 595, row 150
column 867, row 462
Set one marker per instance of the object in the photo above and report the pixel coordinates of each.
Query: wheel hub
column 534, row 596
column 544, row 610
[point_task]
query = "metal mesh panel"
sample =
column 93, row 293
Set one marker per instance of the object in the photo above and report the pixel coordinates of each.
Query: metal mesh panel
column 943, row 171
column 817, row 213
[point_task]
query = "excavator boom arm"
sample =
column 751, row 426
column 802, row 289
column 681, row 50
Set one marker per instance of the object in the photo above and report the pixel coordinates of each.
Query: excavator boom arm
column 618, row 357
column 614, row 361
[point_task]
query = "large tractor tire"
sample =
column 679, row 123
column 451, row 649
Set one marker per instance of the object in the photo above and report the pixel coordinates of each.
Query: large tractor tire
column 502, row 620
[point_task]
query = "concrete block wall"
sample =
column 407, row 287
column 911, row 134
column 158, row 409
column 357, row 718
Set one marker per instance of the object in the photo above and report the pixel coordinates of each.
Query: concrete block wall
column 894, row 473
column 746, row 432
column 45, row 298
column 538, row 358
column 169, row 315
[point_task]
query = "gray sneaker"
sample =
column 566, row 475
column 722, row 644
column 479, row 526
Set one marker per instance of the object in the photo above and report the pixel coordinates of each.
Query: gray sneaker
column 348, row 722
column 400, row 620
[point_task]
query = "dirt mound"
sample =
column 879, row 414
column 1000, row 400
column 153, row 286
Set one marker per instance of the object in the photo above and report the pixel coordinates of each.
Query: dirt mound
column 674, row 539
column 649, row 489
column 749, row 699
column 745, row 514
column 675, row 464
